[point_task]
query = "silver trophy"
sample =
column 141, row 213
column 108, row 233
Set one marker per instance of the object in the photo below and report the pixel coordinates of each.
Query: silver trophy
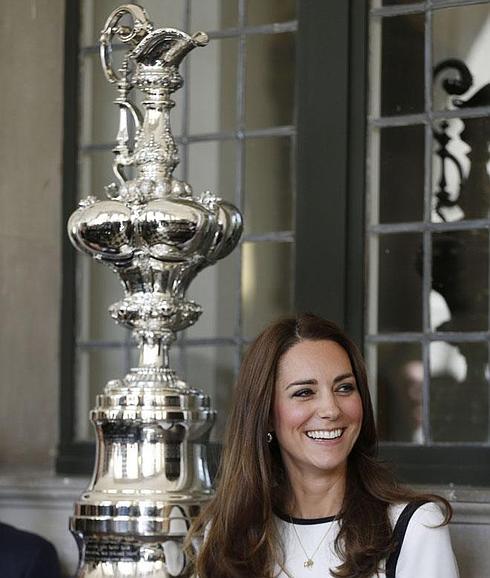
column 151, row 476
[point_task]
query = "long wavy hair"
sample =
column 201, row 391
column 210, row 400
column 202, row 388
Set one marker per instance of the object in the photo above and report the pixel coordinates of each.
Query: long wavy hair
column 241, row 538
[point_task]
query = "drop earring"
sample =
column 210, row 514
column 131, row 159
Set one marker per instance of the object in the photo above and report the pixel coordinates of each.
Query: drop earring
column 268, row 437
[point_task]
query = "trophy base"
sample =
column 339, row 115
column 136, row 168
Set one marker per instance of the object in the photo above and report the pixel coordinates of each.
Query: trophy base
column 136, row 546
column 145, row 557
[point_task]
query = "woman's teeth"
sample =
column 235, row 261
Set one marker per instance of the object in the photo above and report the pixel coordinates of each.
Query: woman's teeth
column 322, row 434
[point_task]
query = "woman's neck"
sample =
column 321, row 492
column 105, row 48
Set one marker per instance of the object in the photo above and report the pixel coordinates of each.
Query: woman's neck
column 316, row 496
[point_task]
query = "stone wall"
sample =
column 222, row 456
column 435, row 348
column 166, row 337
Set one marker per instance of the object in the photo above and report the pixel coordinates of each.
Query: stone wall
column 31, row 68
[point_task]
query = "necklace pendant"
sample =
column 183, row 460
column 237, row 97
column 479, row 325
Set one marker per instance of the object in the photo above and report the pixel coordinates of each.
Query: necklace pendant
column 308, row 563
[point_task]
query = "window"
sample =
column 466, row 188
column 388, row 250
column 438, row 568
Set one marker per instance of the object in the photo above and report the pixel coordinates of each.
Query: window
column 372, row 224
column 352, row 215
column 427, row 327
column 234, row 122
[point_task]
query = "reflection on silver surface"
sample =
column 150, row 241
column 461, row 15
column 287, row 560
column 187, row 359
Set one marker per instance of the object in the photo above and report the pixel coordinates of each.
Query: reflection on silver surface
column 151, row 476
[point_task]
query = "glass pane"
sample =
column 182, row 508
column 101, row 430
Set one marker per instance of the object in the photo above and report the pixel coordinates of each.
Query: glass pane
column 461, row 181
column 98, row 287
column 462, row 34
column 98, row 113
column 212, row 87
column 217, row 289
column 94, row 368
column 95, row 173
column 163, row 13
column 266, row 284
column 402, row 60
column 212, row 369
column 269, row 91
column 268, row 189
column 260, row 12
column 210, row 15
column 401, row 174
column 400, row 283
column 460, row 276
column 212, row 168
column 105, row 289
column 459, row 392
column 400, row 376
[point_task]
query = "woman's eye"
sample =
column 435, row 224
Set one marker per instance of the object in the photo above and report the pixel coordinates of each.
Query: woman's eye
column 346, row 388
column 303, row 392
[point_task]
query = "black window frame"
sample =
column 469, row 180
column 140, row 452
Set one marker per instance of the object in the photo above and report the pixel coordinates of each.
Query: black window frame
column 330, row 280
column 73, row 457
column 329, row 275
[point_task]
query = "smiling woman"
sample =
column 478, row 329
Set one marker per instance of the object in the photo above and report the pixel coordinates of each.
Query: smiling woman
column 317, row 413
column 300, row 491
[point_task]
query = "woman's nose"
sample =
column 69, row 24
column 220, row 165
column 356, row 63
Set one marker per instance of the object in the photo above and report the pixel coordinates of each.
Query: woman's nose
column 328, row 407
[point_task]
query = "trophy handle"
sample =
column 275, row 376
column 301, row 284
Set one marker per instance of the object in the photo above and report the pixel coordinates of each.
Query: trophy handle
column 129, row 35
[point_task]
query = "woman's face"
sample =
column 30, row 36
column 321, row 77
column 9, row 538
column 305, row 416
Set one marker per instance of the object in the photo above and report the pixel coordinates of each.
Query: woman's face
column 317, row 410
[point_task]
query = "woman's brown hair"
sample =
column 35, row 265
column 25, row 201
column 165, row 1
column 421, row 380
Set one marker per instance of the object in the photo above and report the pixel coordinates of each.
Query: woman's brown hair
column 241, row 536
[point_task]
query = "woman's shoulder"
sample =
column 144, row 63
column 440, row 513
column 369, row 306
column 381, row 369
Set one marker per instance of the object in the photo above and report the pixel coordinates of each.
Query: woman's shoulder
column 423, row 544
column 417, row 511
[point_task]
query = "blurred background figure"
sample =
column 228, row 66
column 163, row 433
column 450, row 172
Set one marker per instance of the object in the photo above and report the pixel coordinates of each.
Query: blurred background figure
column 26, row 555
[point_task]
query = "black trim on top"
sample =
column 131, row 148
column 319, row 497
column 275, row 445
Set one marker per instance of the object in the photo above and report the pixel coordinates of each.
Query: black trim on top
column 305, row 521
column 399, row 535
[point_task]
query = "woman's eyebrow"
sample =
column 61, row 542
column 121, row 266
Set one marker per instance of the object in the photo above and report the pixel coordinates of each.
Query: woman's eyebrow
column 343, row 376
column 307, row 381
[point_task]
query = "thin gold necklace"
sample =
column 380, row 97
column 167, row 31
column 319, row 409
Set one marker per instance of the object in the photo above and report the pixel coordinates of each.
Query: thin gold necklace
column 309, row 563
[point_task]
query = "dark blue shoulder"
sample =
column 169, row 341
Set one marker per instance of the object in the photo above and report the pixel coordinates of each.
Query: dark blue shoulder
column 24, row 554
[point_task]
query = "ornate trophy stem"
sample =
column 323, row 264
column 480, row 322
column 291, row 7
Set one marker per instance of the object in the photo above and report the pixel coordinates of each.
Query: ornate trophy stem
column 151, row 476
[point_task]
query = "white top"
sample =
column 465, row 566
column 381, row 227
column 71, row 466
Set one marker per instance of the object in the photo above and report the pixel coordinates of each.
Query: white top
column 425, row 552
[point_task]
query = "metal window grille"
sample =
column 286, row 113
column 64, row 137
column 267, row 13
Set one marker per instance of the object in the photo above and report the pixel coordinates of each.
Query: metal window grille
column 238, row 137
column 426, row 227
